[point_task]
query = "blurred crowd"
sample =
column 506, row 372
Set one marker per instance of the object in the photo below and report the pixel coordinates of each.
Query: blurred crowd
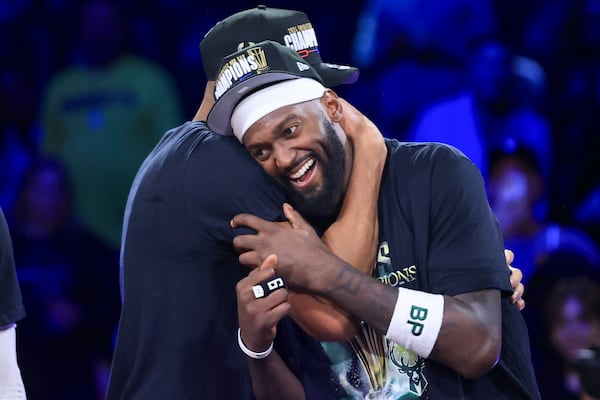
column 88, row 87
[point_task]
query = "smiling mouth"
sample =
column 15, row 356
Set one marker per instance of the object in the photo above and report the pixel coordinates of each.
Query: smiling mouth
column 300, row 175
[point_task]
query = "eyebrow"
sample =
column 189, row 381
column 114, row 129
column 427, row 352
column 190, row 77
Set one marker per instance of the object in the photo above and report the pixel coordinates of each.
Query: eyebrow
column 278, row 129
column 280, row 126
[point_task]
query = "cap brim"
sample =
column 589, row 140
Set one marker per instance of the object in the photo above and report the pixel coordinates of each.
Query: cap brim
column 334, row 75
column 219, row 117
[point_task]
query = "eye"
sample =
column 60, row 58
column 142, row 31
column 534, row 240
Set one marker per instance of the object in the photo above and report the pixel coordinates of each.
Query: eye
column 290, row 130
column 259, row 154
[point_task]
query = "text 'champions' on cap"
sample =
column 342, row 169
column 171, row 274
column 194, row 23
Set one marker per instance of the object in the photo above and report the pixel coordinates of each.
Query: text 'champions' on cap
column 249, row 69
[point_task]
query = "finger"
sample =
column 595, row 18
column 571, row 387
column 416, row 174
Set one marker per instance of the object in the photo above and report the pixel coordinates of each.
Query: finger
column 510, row 256
column 275, row 314
column 516, row 276
column 294, row 217
column 270, row 262
column 519, row 303
column 255, row 276
column 250, row 259
column 260, row 325
column 244, row 243
column 244, row 288
column 518, row 293
column 259, row 274
column 251, row 221
column 268, row 286
column 260, row 309
column 520, row 289
column 275, row 307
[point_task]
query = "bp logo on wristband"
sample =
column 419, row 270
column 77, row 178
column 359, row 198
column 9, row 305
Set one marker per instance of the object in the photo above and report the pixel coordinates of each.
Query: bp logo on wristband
column 417, row 317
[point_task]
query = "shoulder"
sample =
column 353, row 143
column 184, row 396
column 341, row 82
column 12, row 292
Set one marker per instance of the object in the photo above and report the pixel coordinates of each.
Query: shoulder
column 222, row 160
column 221, row 177
column 415, row 168
column 424, row 153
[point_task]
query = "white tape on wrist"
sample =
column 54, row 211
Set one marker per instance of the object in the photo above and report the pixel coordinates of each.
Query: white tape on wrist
column 250, row 353
column 416, row 320
column 11, row 383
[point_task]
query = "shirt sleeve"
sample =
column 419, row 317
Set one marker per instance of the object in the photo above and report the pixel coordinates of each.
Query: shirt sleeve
column 11, row 303
column 466, row 249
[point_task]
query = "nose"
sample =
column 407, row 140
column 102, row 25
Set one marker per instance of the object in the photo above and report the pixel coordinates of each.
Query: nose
column 284, row 156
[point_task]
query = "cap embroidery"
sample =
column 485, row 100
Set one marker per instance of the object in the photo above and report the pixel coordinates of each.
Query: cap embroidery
column 254, row 59
column 301, row 37
column 301, row 66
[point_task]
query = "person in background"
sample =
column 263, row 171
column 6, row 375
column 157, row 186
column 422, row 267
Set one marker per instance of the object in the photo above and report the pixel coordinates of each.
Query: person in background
column 490, row 113
column 587, row 366
column 70, row 287
column 19, row 130
column 517, row 192
column 103, row 114
column 572, row 317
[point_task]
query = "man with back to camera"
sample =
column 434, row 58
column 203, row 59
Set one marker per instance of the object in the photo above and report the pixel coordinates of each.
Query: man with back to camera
column 448, row 331
column 177, row 330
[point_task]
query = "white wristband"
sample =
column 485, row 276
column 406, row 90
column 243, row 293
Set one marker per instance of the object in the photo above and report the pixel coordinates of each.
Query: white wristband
column 416, row 320
column 11, row 382
column 250, row 353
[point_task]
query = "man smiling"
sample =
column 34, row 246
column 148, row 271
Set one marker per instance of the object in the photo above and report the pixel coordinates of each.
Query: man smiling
column 447, row 330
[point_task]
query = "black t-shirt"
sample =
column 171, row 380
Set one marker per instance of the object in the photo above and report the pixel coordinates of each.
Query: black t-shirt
column 177, row 334
column 11, row 302
column 437, row 234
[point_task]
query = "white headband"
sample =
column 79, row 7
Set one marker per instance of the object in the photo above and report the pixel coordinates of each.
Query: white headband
column 271, row 98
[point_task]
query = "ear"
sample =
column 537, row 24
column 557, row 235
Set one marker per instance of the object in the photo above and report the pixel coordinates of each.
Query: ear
column 332, row 105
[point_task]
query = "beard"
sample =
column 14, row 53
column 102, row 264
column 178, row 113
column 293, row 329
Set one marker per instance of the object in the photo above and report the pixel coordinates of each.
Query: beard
column 323, row 203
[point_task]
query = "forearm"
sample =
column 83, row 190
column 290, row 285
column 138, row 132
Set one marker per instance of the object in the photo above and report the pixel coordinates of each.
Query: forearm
column 343, row 285
column 469, row 338
column 271, row 379
column 320, row 318
column 354, row 235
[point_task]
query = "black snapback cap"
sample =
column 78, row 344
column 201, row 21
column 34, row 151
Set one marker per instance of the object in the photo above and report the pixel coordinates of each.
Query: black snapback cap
column 249, row 69
column 288, row 27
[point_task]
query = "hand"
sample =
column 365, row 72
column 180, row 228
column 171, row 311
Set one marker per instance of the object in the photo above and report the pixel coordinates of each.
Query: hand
column 516, row 276
column 297, row 249
column 258, row 318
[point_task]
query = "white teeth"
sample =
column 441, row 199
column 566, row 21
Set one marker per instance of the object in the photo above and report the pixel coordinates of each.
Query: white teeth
column 303, row 170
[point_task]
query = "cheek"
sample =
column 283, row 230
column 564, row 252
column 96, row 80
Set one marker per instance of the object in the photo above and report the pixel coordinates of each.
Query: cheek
column 270, row 168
